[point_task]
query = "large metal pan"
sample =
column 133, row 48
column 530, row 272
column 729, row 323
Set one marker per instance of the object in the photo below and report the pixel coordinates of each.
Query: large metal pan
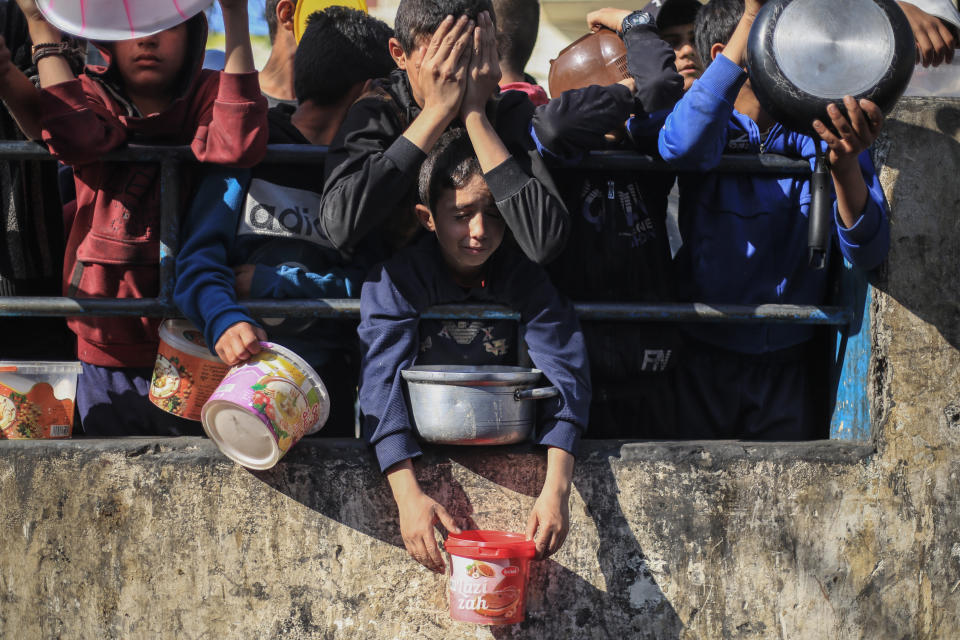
column 474, row 405
column 805, row 54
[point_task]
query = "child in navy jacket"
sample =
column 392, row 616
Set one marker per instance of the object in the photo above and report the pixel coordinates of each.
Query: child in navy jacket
column 256, row 234
column 464, row 261
column 744, row 237
column 618, row 248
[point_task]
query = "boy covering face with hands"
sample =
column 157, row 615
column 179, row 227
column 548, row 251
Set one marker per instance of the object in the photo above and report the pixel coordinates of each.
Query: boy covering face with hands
column 448, row 75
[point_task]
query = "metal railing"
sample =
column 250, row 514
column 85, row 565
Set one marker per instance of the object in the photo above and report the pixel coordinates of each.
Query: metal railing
column 172, row 157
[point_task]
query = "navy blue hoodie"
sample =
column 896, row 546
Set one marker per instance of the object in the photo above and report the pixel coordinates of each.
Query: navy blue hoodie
column 395, row 295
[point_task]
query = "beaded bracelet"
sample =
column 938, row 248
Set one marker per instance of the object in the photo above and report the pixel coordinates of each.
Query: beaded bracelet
column 45, row 49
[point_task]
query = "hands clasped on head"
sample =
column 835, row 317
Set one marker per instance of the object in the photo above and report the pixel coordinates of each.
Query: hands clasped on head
column 458, row 70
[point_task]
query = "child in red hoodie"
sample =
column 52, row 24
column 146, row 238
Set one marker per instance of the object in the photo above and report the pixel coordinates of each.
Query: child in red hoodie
column 153, row 91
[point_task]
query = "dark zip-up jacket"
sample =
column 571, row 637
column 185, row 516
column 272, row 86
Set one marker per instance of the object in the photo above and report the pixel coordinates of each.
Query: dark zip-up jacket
column 618, row 247
column 371, row 176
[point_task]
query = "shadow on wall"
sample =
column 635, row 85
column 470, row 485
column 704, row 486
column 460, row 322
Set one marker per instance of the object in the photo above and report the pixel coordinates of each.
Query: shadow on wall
column 560, row 599
column 924, row 263
column 631, row 605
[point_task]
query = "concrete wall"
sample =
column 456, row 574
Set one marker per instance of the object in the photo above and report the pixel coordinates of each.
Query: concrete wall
column 147, row 539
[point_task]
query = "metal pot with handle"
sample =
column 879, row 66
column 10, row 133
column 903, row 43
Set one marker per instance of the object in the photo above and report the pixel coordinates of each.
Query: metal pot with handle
column 474, row 405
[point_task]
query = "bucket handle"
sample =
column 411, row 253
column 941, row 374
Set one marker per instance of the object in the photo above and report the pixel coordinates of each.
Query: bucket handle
column 536, row 394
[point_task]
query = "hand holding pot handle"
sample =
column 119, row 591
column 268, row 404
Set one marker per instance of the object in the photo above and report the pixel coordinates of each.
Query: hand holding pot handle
column 852, row 137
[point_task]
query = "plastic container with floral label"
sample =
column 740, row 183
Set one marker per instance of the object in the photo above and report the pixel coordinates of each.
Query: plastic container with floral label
column 37, row 399
column 264, row 406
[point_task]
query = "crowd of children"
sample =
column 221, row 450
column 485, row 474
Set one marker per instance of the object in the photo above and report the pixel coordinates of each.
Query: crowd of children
column 451, row 177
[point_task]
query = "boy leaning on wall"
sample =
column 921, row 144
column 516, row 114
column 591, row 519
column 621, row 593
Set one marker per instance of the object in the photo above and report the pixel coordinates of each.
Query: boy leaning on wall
column 744, row 238
column 464, row 260
column 153, row 91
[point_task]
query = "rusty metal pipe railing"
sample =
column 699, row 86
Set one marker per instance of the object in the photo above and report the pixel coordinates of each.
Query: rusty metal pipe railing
column 345, row 308
column 171, row 158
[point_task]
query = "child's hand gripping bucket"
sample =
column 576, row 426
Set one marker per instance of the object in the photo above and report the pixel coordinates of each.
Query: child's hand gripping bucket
column 264, row 406
column 186, row 373
column 488, row 576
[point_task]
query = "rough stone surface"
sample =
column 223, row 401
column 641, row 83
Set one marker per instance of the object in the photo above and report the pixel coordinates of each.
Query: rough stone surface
column 140, row 538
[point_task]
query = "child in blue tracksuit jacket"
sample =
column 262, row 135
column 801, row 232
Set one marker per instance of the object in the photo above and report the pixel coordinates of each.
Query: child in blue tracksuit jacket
column 465, row 262
column 744, row 238
column 256, row 234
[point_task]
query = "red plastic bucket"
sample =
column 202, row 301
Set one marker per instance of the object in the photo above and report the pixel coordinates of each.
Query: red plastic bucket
column 488, row 576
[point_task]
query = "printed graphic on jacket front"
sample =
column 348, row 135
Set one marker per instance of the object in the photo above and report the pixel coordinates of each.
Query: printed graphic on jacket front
column 474, row 342
column 283, row 212
column 618, row 208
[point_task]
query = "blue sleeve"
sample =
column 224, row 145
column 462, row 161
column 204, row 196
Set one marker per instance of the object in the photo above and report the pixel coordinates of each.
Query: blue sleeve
column 695, row 133
column 643, row 129
column 285, row 281
column 389, row 340
column 556, row 346
column 204, row 287
column 866, row 243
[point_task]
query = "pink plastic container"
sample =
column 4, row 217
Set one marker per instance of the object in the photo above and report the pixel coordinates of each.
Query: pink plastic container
column 264, row 406
column 488, row 576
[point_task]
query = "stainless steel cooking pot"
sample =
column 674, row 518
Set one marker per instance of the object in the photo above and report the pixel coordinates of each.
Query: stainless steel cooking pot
column 477, row 405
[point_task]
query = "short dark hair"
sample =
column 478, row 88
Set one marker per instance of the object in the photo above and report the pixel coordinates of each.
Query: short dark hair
column 676, row 12
column 517, row 24
column 450, row 165
column 416, row 18
column 339, row 48
column 716, row 21
column 270, row 15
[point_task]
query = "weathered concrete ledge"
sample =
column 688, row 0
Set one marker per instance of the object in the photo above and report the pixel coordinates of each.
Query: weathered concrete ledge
column 124, row 538
column 166, row 539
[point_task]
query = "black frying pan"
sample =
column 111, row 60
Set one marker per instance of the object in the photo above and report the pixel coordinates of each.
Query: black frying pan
column 804, row 54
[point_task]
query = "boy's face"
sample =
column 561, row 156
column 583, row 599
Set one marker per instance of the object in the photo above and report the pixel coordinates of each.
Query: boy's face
column 468, row 225
column 150, row 65
column 680, row 37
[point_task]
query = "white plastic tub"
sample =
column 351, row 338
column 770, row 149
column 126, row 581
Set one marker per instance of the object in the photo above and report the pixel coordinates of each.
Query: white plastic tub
column 37, row 399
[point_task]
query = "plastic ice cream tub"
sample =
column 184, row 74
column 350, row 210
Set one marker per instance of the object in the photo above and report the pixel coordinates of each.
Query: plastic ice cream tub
column 264, row 406
column 488, row 576
column 37, row 399
column 186, row 373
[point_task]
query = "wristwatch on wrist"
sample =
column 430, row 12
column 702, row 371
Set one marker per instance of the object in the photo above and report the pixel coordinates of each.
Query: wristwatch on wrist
column 635, row 19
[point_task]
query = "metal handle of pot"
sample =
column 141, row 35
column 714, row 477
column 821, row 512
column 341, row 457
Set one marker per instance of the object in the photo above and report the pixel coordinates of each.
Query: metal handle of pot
column 536, row 394
column 820, row 213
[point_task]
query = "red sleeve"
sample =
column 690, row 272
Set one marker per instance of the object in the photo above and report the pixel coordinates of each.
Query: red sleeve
column 76, row 126
column 232, row 130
